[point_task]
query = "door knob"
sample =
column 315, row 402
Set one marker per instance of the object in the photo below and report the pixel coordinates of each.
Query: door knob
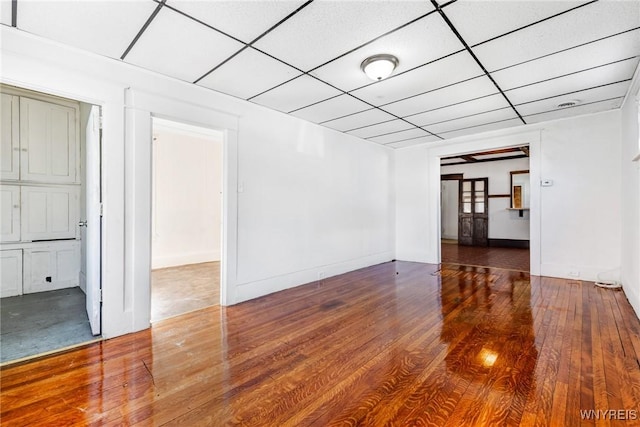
column 82, row 224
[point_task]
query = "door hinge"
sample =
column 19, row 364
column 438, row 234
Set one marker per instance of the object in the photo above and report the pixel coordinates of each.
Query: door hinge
column 99, row 122
column 100, row 294
column 101, row 209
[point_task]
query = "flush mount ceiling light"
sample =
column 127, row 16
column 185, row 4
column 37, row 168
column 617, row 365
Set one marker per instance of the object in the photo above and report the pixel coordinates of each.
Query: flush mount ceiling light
column 378, row 67
column 569, row 104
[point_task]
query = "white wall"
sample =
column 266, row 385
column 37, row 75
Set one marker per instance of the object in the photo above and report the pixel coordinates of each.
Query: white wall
column 301, row 200
column 187, row 198
column 575, row 223
column 503, row 224
column 449, row 212
column 630, row 221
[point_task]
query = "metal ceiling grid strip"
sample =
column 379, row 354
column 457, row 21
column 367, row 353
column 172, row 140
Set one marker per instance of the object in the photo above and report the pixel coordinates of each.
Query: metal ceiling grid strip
column 475, row 58
column 475, row 126
column 14, row 13
column 250, row 44
column 449, row 105
column 144, row 27
column 534, row 23
column 407, row 139
column 462, row 117
column 374, row 124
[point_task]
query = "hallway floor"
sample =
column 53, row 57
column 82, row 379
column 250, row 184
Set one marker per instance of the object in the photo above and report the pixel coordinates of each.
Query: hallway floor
column 179, row 290
column 508, row 258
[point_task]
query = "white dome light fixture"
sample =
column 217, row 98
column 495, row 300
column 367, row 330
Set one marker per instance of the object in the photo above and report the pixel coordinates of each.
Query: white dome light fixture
column 379, row 67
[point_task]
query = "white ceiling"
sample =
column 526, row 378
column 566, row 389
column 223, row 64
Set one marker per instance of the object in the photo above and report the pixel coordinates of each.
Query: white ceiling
column 466, row 66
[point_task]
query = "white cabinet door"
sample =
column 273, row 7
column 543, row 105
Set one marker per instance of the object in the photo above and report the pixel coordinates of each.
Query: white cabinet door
column 48, row 142
column 54, row 265
column 9, row 213
column 10, row 273
column 49, row 212
column 9, row 137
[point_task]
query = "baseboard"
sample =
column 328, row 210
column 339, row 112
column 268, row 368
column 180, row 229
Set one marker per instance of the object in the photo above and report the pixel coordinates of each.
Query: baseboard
column 508, row 243
column 256, row 289
column 572, row 272
column 184, row 259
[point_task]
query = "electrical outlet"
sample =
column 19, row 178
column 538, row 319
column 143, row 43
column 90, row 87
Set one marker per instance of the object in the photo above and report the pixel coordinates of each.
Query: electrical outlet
column 574, row 273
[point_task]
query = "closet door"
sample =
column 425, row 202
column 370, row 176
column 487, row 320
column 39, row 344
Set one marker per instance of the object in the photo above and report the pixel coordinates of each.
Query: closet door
column 51, row 266
column 10, row 273
column 48, row 142
column 9, row 137
column 49, row 212
column 9, row 213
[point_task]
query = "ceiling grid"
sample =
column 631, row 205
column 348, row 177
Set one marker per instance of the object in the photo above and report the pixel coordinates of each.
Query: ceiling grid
column 464, row 66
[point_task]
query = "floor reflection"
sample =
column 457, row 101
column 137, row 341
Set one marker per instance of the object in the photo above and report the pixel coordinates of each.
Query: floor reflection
column 498, row 349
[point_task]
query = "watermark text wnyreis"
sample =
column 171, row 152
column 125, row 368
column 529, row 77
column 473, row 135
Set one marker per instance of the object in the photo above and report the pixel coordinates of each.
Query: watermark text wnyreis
column 608, row 414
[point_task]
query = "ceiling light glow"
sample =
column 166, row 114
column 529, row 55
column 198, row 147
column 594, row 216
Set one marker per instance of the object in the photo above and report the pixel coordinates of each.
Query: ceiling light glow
column 379, row 67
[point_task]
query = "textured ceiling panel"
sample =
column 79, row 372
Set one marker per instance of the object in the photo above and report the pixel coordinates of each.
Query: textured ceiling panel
column 103, row 27
column 586, row 24
column 326, row 29
column 180, row 47
column 471, row 121
column 478, row 21
column 407, row 44
column 244, row 20
column 414, row 141
column 482, row 128
column 381, row 129
column 574, row 111
column 249, row 73
column 331, row 109
column 296, row 94
column 447, row 71
column 400, row 136
column 488, row 103
column 358, row 120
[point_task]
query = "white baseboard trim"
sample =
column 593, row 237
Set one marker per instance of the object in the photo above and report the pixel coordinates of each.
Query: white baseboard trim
column 184, row 259
column 251, row 290
column 563, row 271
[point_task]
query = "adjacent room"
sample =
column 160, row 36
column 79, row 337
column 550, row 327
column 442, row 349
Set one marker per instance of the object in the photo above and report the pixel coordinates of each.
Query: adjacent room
column 186, row 218
column 486, row 198
column 318, row 213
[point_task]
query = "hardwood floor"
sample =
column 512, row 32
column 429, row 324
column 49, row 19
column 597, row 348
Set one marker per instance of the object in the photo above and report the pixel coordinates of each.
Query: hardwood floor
column 394, row 344
column 185, row 288
column 509, row 258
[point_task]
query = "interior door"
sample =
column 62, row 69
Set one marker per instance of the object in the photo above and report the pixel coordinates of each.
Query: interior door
column 473, row 218
column 93, row 221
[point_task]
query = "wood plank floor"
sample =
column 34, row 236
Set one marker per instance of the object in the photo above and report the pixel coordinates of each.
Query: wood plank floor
column 394, row 344
column 509, row 258
column 185, row 288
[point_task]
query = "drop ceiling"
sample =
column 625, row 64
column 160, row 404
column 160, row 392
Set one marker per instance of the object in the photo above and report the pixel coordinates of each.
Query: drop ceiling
column 465, row 66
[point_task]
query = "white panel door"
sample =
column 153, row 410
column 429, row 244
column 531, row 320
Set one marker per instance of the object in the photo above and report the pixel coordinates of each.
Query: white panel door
column 51, row 266
column 9, row 137
column 49, row 212
column 48, row 142
column 9, row 213
column 10, row 273
column 93, row 221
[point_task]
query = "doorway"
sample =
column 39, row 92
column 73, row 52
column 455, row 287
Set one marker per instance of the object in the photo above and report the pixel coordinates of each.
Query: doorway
column 186, row 218
column 51, row 224
column 479, row 224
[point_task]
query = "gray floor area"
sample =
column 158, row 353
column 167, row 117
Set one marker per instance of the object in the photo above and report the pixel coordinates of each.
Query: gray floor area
column 36, row 323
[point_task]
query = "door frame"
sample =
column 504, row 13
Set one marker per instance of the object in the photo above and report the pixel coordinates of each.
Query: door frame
column 474, row 144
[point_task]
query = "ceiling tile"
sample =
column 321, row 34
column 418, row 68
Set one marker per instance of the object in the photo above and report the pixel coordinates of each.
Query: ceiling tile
column 103, row 27
column 472, row 121
column 602, row 52
column 588, row 23
column 332, row 108
column 296, row 94
column 415, row 141
column 400, row 136
column 406, row 44
column 482, row 128
column 326, row 29
column 574, row 82
column 478, row 21
column 584, row 97
column 180, row 47
column 5, row 12
column 444, row 72
column 470, row 89
column 595, row 107
column 488, row 103
column 248, row 73
column 244, row 20
column 381, row 129
column 358, row 120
